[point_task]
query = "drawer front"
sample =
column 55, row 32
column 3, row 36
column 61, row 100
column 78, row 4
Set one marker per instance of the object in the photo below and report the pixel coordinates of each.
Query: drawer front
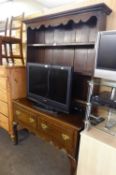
column 44, row 129
column 3, row 95
column 3, row 71
column 62, row 136
column 26, row 118
column 4, row 108
column 3, row 83
column 4, row 122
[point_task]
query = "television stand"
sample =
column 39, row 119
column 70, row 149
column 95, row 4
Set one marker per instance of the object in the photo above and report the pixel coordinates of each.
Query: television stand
column 61, row 129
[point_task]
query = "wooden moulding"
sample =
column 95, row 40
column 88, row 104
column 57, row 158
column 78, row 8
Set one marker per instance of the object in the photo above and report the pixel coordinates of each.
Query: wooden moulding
column 76, row 15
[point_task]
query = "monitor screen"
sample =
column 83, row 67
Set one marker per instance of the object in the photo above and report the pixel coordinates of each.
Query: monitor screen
column 58, row 85
column 38, row 80
column 50, row 85
column 105, row 66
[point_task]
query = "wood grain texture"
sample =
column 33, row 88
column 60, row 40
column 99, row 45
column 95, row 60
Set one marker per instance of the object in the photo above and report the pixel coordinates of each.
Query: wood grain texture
column 4, row 123
column 12, row 86
column 68, row 39
column 4, row 108
column 3, row 95
column 62, row 129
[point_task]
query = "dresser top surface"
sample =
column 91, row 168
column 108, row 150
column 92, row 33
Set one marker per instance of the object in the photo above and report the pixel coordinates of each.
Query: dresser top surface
column 75, row 121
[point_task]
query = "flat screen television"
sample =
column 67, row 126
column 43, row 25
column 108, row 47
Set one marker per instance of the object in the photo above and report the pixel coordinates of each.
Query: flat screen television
column 49, row 86
column 105, row 64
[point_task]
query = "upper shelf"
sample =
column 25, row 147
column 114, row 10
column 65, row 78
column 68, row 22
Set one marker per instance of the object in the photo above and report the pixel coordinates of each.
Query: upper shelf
column 84, row 44
column 76, row 15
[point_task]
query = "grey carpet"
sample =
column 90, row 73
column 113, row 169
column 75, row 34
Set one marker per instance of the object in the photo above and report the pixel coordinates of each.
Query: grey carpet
column 32, row 156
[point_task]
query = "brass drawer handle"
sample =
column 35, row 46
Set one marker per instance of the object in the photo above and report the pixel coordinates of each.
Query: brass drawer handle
column 18, row 112
column 31, row 120
column 44, row 126
column 65, row 137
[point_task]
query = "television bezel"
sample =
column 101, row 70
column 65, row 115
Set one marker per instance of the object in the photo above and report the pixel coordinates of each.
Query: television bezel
column 103, row 73
column 46, row 102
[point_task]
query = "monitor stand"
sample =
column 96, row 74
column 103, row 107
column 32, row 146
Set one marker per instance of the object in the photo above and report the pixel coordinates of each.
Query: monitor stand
column 45, row 108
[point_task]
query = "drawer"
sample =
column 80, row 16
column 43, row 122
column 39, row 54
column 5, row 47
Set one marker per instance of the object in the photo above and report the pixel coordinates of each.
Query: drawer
column 25, row 118
column 4, row 108
column 3, row 83
column 3, row 71
column 61, row 135
column 4, row 122
column 3, row 95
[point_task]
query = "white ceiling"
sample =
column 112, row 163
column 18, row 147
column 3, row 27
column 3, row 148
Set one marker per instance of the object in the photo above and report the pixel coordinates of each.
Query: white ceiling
column 54, row 3
column 46, row 3
column 34, row 6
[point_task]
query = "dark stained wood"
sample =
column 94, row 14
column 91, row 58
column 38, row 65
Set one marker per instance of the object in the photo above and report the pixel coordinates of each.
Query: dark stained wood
column 59, row 34
column 80, row 60
column 49, row 35
column 92, row 24
column 62, row 129
column 90, row 61
column 80, row 85
column 72, row 120
column 69, row 33
column 15, row 31
column 68, row 38
column 64, row 17
column 48, row 59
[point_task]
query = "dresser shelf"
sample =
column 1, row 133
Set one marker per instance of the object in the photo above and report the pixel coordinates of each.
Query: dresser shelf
column 87, row 45
column 68, row 39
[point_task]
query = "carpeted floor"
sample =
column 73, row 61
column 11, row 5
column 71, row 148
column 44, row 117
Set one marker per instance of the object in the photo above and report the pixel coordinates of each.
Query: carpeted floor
column 32, row 156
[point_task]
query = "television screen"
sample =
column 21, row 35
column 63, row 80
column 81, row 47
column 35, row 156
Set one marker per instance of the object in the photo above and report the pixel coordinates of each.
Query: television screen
column 50, row 85
column 58, row 84
column 38, row 80
column 106, row 55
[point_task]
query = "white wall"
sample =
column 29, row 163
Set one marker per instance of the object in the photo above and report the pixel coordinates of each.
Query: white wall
column 16, row 7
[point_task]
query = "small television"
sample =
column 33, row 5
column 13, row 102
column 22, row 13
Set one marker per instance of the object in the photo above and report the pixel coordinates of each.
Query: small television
column 105, row 62
column 49, row 86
